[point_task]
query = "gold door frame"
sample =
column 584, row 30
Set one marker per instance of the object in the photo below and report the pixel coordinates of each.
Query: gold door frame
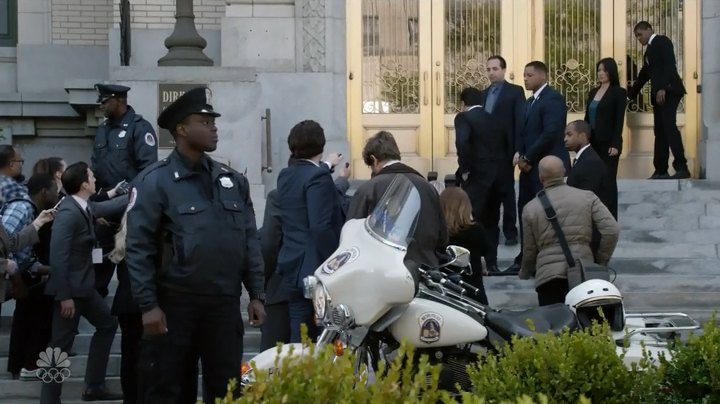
column 523, row 38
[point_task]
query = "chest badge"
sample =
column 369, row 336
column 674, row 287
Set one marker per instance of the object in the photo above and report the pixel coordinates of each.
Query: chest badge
column 226, row 182
column 122, row 134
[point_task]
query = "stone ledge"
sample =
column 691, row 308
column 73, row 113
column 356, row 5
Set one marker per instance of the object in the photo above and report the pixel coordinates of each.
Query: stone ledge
column 183, row 74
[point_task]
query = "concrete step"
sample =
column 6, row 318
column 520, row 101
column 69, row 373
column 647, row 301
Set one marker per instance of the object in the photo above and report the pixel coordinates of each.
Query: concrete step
column 696, row 237
column 73, row 387
column 81, row 345
column 78, row 364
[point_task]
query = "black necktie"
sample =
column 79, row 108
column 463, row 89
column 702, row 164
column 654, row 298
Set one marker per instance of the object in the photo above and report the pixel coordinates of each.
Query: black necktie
column 574, row 161
column 529, row 104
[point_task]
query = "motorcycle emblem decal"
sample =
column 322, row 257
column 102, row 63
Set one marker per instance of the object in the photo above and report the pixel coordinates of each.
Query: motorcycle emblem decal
column 341, row 259
column 430, row 326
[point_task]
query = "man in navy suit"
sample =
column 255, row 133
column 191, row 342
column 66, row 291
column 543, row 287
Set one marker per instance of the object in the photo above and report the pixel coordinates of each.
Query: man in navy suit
column 506, row 102
column 311, row 217
column 542, row 135
column 588, row 169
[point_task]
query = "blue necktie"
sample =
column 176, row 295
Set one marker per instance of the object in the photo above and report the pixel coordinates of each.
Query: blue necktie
column 492, row 97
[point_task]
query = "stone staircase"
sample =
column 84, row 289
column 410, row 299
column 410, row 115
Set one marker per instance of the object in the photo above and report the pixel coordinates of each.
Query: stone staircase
column 667, row 257
column 666, row 260
column 21, row 392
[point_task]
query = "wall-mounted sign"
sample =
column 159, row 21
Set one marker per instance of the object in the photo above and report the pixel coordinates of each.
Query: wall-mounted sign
column 167, row 94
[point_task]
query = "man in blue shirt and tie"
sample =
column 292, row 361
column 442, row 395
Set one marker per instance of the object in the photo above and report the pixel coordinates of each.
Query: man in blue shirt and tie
column 506, row 102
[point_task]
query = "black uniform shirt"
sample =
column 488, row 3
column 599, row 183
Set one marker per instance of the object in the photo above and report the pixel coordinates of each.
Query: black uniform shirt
column 123, row 148
column 192, row 231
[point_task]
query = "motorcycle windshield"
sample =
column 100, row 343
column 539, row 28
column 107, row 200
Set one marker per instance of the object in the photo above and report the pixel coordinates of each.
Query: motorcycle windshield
column 395, row 217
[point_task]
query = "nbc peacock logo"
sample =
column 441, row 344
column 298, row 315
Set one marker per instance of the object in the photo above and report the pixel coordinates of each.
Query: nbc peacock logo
column 53, row 366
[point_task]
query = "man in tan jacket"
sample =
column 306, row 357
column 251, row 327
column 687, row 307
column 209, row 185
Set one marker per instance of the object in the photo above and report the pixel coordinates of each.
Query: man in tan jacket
column 576, row 210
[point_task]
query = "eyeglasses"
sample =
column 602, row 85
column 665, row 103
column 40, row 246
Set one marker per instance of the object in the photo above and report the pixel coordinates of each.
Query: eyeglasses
column 18, row 161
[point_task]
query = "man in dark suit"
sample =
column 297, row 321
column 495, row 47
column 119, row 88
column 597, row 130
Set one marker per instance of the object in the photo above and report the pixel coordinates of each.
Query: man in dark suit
column 588, row 170
column 541, row 136
column 72, row 282
column 485, row 166
column 311, row 219
column 666, row 91
column 277, row 324
column 506, row 102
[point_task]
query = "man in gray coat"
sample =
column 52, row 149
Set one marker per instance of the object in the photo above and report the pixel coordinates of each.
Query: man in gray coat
column 577, row 211
column 72, row 281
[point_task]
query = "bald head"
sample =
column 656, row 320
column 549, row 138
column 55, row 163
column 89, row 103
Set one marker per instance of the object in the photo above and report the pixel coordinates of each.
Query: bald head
column 551, row 168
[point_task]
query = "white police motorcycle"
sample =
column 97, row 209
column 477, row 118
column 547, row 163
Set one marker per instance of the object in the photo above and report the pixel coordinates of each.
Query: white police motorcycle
column 369, row 297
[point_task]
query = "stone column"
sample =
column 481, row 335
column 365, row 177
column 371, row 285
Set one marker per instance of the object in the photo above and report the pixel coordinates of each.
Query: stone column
column 710, row 98
column 185, row 45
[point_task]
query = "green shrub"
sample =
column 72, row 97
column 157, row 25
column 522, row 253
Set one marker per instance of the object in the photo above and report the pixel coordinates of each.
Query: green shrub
column 693, row 373
column 328, row 379
column 564, row 368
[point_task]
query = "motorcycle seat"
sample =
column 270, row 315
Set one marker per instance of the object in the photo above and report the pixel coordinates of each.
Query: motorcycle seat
column 553, row 318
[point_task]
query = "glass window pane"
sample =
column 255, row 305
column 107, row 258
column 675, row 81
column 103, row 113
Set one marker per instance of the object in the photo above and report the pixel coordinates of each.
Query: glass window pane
column 472, row 34
column 390, row 70
column 572, row 48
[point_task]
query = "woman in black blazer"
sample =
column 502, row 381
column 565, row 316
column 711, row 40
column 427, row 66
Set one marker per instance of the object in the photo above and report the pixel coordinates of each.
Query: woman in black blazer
column 605, row 112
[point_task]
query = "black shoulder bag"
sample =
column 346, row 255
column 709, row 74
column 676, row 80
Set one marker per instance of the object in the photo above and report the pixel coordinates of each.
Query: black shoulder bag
column 577, row 271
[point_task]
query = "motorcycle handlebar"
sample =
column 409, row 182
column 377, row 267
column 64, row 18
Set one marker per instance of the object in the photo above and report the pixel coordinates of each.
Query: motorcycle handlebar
column 458, row 279
column 439, row 277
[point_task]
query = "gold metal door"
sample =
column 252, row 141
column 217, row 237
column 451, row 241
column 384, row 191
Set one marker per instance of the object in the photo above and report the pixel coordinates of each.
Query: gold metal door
column 389, row 79
column 408, row 61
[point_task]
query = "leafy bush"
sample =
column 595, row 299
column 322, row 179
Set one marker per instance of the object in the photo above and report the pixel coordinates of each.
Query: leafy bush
column 693, row 373
column 325, row 378
column 564, row 368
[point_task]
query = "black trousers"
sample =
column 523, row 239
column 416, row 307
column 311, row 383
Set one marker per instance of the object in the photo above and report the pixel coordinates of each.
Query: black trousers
column 277, row 325
column 199, row 326
column 611, row 166
column 487, row 190
column 509, row 205
column 132, row 330
column 552, row 292
column 667, row 136
column 31, row 329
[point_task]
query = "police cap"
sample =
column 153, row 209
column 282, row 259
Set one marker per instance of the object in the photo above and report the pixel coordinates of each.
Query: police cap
column 106, row 91
column 195, row 101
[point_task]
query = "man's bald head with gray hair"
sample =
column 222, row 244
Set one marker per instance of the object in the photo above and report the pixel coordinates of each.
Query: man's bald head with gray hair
column 551, row 169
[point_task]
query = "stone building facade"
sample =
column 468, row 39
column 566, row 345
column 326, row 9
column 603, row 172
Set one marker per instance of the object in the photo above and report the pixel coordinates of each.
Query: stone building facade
column 288, row 56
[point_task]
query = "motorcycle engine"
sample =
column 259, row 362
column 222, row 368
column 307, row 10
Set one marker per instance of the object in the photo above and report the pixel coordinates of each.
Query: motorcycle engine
column 454, row 363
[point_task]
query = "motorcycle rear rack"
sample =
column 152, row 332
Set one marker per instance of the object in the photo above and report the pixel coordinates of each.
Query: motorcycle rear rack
column 671, row 323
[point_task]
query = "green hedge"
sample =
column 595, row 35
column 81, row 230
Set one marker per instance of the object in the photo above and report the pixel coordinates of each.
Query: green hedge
column 578, row 367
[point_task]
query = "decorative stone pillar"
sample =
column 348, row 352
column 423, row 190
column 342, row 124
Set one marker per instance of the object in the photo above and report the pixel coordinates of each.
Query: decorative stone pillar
column 185, row 45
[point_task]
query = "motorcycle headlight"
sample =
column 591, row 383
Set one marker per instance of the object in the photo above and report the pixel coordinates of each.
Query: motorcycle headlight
column 309, row 283
column 321, row 301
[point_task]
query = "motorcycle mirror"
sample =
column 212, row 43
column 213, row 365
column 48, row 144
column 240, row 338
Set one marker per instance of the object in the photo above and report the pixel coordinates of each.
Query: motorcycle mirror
column 460, row 256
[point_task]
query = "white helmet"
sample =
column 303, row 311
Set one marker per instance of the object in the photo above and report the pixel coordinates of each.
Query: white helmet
column 596, row 296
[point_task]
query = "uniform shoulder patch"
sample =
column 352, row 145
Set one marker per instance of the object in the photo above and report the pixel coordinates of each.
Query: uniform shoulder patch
column 150, row 139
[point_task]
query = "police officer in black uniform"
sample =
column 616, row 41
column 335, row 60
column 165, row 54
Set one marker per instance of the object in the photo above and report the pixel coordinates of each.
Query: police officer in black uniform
column 125, row 144
column 191, row 244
